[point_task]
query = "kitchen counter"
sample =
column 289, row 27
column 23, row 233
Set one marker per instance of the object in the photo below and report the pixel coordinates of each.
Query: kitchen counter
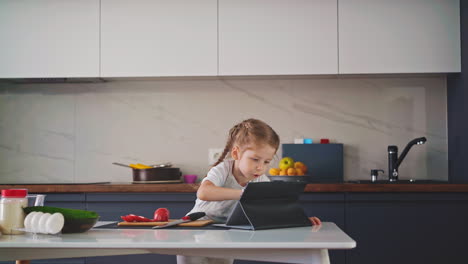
column 295, row 245
column 192, row 188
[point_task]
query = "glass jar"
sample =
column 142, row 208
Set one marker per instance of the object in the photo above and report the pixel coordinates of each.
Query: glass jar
column 12, row 215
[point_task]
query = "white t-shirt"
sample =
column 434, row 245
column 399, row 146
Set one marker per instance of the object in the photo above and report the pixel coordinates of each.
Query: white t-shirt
column 221, row 176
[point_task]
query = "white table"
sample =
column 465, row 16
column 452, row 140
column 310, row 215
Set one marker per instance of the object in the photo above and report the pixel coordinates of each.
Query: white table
column 289, row 245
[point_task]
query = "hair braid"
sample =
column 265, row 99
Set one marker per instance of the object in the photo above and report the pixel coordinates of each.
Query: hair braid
column 231, row 138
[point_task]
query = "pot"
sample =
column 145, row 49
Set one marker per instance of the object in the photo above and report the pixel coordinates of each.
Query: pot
column 157, row 175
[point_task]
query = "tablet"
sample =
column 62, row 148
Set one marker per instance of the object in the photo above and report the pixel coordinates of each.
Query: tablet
column 266, row 205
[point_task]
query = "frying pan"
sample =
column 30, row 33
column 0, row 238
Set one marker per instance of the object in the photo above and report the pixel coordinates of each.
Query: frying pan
column 155, row 175
column 161, row 175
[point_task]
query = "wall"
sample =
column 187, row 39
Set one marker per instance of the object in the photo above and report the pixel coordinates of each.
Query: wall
column 457, row 97
column 73, row 132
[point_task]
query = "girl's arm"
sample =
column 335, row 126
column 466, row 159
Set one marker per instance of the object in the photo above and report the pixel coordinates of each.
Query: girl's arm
column 210, row 192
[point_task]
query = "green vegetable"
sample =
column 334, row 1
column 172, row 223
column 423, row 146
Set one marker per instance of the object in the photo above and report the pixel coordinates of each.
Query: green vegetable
column 68, row 214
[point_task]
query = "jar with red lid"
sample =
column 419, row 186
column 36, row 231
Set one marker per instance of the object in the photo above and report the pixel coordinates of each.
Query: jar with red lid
column 12, row 215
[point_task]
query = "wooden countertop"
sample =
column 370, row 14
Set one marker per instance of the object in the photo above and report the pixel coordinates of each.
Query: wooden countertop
column 192, row 188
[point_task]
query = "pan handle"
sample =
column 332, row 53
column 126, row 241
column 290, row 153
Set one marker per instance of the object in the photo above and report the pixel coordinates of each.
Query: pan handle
column 121, row 164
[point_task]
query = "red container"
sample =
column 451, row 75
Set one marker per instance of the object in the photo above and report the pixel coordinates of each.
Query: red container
column 324, row 141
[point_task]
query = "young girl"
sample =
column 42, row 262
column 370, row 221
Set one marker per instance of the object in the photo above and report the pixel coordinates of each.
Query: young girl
column 252, row 144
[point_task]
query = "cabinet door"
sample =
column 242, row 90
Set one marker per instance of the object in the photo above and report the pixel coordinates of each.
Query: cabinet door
column 111, row 206
column 49, row 38
column 407, row 228
column 399, row 36
column 273, row 37
column 158, row 38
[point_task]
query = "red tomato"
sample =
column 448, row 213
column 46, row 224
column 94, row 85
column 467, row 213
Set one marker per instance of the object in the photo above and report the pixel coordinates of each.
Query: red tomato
column 161, row 215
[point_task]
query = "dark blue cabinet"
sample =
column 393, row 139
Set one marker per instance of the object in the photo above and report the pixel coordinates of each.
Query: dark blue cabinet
column 407, row 228
column 72, row 200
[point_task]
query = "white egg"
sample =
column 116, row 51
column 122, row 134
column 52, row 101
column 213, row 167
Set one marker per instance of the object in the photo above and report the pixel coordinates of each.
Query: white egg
column 27, row 220
column 35, row 222
column 55, row 223
column 42, row 223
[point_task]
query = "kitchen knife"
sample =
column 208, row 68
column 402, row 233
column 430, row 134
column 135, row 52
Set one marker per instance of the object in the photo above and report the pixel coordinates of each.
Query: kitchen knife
column 185, row 219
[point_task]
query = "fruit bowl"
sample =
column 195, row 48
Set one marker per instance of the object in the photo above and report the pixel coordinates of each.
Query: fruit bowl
column 287, row 167
column 304, row 178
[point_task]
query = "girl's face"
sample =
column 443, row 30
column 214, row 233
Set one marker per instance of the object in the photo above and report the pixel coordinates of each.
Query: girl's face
column 251, row 163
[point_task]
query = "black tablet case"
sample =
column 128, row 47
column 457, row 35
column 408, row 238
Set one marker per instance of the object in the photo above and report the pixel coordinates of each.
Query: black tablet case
column 267, row 205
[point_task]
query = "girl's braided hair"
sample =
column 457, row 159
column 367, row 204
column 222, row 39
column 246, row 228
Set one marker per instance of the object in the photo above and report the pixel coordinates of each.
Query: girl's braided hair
column 250, row 131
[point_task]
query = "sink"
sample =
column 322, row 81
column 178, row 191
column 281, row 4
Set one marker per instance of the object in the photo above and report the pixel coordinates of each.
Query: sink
column 399, row 182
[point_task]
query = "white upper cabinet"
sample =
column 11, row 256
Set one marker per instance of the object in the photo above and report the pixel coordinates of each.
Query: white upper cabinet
column 269, row 37
column 49, row 38
column 158, row 38
column 145, row 38
column 399, row 36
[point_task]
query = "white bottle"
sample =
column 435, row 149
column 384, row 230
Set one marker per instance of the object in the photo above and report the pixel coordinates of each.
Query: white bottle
column 12, row 203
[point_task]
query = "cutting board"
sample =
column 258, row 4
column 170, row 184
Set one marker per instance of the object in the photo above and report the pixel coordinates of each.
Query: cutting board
column 196, row 223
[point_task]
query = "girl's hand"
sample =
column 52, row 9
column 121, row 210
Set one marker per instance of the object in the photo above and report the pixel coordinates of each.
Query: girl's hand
column 315, row 220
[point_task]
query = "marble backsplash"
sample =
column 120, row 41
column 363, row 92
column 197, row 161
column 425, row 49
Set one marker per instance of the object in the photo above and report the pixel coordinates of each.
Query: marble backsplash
column 72, row 132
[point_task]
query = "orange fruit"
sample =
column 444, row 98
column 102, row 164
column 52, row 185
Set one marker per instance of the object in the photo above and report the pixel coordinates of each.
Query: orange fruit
column 291, row 172
column 300, row 165
column 283, row 173
column 274, row 171
column 299, row 172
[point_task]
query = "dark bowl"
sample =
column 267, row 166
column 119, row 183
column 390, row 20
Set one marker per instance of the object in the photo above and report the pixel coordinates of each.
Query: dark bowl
column 304, row 178
column 80, row 225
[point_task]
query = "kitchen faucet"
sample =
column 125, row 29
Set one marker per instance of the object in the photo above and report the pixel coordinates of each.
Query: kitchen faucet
column 394, row 161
